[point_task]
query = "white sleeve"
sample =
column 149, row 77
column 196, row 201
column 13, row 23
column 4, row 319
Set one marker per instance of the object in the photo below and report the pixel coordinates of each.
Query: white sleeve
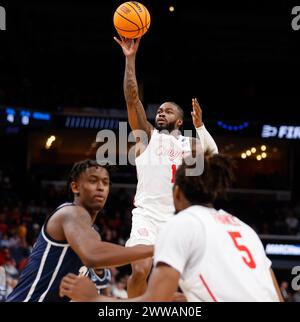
column 207, row 142
column 177, row 242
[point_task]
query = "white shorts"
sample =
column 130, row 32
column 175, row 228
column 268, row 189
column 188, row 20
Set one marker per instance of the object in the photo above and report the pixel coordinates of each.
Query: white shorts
column 144, row 230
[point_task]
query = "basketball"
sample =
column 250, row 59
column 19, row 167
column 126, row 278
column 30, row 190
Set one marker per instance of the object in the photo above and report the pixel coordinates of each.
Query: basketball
column 132, row 20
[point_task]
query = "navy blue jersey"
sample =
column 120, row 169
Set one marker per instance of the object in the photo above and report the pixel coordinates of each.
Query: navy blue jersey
column 48, row 263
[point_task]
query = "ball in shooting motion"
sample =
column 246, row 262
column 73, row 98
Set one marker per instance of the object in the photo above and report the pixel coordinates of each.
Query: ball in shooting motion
column 132, row 20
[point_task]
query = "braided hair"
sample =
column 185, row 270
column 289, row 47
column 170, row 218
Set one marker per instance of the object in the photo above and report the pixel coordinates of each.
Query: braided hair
column 216, row 178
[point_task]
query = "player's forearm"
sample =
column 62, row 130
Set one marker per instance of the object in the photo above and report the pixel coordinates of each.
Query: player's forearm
column 136, row 113
column 111, row 255
column 131, row 90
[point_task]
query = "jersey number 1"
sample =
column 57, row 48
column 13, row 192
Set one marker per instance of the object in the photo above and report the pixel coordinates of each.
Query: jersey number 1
column 249, row 261
column 173, row 172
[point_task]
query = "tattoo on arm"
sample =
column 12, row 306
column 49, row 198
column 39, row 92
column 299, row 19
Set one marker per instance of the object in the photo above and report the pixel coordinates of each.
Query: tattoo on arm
column 130, row 83
column 136, row 112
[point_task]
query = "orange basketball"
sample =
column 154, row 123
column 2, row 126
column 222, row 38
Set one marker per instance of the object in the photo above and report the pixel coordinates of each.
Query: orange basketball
column 132, row 19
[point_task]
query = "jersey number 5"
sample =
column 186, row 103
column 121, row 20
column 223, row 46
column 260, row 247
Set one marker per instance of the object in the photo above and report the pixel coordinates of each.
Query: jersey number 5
column 249, row 261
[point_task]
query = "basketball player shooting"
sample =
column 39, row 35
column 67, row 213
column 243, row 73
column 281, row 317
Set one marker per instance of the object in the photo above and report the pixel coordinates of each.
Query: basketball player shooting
column 156, row 162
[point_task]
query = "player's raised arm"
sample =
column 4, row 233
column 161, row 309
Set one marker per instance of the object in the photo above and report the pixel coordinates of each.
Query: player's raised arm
column 136, row 112
column 85, row 242
column 207, row 142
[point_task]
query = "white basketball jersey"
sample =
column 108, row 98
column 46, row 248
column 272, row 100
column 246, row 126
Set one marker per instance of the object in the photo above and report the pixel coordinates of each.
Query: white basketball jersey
column 156, row 168
column 219, row 257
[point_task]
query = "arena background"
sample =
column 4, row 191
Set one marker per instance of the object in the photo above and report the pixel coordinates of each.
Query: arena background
column 61, row 75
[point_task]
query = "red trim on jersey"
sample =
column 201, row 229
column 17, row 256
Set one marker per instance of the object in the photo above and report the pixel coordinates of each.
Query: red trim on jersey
column 208, row 289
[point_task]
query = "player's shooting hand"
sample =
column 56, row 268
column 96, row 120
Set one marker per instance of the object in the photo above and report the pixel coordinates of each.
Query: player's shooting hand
column 196, row 113
column 129, row 46
column 78, row 288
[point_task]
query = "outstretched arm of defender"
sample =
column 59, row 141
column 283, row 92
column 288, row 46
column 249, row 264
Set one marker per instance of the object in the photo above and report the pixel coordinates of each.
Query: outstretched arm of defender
column 136, row 112
column 93, row 252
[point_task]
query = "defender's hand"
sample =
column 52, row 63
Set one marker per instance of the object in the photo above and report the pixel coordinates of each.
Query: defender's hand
column 196, row 113
column 78, row 288
column 129, row 46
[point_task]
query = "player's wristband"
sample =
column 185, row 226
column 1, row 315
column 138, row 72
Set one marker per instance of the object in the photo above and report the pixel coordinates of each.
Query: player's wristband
column 200, row 128
column 200, row 131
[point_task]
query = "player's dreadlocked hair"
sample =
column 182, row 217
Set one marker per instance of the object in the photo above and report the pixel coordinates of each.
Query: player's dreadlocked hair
column 215, row 179
column 80, row 167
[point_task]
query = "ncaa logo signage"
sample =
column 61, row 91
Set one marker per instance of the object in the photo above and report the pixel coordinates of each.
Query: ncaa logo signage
column 2, row 18
column 281, row 132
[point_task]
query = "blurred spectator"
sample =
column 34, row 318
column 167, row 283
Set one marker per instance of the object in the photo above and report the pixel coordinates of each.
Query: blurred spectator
column 284, row 288
column 3, row 255
column 292, row 223
column 23, row 262
column 296, row 296
column 11, row 268
column 3, row 284
column 14, row 215
column 3, row 225
column 22, row 232
column 4, row 242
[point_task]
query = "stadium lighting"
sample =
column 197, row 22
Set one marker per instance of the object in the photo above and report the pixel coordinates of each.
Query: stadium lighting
column 25, row 117
column 10, row 115
column 10, row 118
column 41, row 116
column 25, row 120
column 49, row 142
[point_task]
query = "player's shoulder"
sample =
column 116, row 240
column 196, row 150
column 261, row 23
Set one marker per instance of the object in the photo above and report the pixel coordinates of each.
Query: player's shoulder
column 187, row 224
column 71, row 210
column 189, row 217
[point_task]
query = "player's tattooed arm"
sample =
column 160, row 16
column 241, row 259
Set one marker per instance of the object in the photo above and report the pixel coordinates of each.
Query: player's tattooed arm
column 136, row 112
